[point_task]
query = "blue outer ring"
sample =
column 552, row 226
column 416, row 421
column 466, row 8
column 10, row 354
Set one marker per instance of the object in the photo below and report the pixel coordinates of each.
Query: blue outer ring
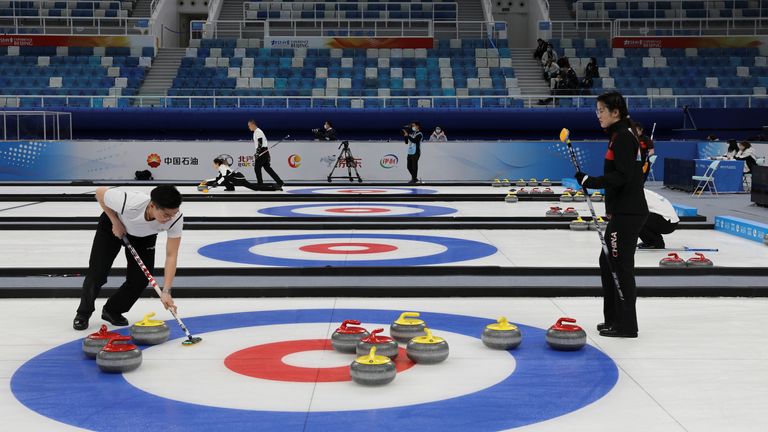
column 406, row 191
column 238, row 251
column 290, row 210
column 63, row 385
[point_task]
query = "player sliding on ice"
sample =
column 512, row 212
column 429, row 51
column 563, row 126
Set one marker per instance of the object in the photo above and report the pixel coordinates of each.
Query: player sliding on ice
column 227, row 178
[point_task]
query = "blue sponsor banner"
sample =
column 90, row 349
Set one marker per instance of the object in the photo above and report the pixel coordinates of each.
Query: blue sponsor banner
column 750, row 230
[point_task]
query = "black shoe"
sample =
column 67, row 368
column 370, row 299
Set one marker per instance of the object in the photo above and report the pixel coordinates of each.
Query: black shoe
column 649, row 246
column 413, row 182
column 610, row 332
column 115, row 319
column 80, row 322
column 603, row 326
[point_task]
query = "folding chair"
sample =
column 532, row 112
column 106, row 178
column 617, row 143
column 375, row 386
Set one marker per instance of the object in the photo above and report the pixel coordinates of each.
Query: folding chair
column 651, row 162
column 708, row 179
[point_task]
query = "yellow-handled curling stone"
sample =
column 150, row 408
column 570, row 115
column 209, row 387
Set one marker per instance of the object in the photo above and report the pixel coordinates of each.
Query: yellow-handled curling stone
column 427, row 349
column 149, row 331
column 372, row 369
column 407, row 327
column 501, row 335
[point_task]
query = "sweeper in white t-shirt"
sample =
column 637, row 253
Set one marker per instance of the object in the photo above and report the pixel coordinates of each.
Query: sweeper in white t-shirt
column 141, row 218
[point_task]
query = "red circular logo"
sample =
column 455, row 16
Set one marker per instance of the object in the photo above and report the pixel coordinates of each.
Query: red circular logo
column 153, row 160
column 348, row 248
column 266, row 362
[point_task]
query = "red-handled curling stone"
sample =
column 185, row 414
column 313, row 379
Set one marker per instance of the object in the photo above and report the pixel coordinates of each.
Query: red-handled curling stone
column 554, row 212
column 699, row 260
column 522, row 191
column 346, row 337
column 119, row 358
column 672, row 260
column 536, row 191
column 570, row 212
column 566, row 337
column 385, row 345
column 94, row 342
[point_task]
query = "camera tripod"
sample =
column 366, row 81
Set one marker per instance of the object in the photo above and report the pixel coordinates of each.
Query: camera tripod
column 349, row 161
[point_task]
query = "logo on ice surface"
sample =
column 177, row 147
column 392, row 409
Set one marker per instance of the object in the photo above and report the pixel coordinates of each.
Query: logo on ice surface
column 389, row 161
column 153, row 160
column 294, row 161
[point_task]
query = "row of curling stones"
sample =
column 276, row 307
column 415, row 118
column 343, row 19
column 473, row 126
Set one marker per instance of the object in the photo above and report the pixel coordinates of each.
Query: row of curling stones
column 558, row 212
column 571, row 196
column 674, row 260
column 500, row 183
column 564, row 335
column 533, row 182
column 533, row 191
column 580, row 224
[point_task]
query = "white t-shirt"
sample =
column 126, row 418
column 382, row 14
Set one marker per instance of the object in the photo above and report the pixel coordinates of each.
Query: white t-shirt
column 661, row 206
column 130, row 208
column 258, row 133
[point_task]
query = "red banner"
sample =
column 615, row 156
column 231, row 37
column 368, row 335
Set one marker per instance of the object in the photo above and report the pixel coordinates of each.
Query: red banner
column 77, row 41
column 689, row 42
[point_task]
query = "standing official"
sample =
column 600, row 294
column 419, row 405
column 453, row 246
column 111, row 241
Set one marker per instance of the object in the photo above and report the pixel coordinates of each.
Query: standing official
column 413, row 139
column 262, row 157
column 626, row 210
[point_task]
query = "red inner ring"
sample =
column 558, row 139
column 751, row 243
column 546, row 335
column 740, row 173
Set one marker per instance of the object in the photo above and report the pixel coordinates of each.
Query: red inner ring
column 357, row 210
column 328, row 248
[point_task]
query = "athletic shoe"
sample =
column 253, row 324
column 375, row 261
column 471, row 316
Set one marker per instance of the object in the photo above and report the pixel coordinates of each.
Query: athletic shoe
column 80, row 322
column 617, row 333
column 603, row 326
column 649, row 246
column 115, row 319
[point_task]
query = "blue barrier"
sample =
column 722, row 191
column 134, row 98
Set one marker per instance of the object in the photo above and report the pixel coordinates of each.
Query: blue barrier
column 683, row 210
column 750, row 230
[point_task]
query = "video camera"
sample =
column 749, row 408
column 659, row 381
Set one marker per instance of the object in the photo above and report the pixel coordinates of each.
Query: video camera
column 344, row 144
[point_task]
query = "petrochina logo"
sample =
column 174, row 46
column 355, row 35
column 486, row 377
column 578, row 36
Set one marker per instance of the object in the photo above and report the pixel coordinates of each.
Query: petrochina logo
column 153, row 160
column 389, row 161
column 294, row 161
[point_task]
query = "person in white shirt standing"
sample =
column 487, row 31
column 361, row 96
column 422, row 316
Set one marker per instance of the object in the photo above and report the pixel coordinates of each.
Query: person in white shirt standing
column 141, row 218
column 262, row 158
column 662, row 219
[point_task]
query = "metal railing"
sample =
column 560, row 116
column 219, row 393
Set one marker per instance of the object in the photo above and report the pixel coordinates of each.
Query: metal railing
column 585, row 29
column 35, row 125
column 227, row 29
column 344, row 27
column 296, row 9
column 711, row 8
column 691, row 27
column 75, row 25
column 287, row 102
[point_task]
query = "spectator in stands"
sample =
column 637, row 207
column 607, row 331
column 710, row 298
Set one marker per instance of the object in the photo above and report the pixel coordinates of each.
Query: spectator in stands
column 567, row 83
column 438, row 135
column 541, row 48
column 413, row 138
column 747, row 154
column 662, row 219
column 590, row 73
column 327, row 133
column 551, row 71
column 548, row 55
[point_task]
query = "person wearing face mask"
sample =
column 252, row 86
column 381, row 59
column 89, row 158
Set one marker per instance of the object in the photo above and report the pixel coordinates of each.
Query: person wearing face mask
column 438, row 135
column 141, row 218
column 413, row 139
column 626, row 210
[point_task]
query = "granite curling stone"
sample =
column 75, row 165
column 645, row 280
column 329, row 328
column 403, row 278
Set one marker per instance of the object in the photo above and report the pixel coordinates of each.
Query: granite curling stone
column 570, row 212
column 536, row 191
column 372, row 369
column 427, row 349
column 672, row 260
column 597, row 196
column 554, row 212
column 522, row 191
column 496, row 183
column 533, row 182
column 346, row 337
column 547, row 191
column 521, row 182
column 579, row 224
column 406, row 327
column 202, row 187
column 566, row 337
column 546, row 182
column 119, row 357
column 511, row 198
column 600, row 222
column 506, row 182
column 384, row 345
column 94, row 342
column 579, row 197
column 501, row 335
column 699, row 260
column 149, row 331
column 566, row 197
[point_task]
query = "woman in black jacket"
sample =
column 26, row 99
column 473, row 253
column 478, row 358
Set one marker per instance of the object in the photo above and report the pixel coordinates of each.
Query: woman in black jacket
column 627, row 211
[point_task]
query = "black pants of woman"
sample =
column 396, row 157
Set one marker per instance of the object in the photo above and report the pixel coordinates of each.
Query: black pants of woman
column 413, row 166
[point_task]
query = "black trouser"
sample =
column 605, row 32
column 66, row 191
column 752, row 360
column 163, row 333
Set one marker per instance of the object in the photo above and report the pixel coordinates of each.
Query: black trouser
column 413, row 165
column 103, row 252
column 621, row 238
column 263, row 162
column 654, row 227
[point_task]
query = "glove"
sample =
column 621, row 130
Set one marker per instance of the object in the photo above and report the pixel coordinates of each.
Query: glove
column 580, row 177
